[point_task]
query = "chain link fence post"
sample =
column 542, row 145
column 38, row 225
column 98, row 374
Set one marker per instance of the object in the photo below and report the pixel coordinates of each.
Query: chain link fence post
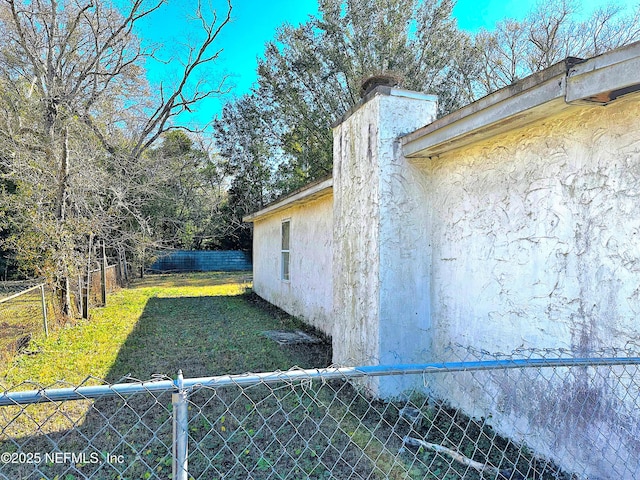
column 180, row 430
column 527, row 415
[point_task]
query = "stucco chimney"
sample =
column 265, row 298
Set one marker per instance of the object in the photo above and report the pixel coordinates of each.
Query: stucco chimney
column 381, row 277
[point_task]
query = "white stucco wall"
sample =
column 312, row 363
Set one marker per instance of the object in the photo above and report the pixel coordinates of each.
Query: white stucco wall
column 381, row 310
column 535, row 238
column 356, row 262
column 539, row 229
column 309, row 292
column 526, row 239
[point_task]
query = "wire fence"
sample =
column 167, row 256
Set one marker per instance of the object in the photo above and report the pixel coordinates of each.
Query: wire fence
column 28, row 309
column 530, row 415
column 25, row 310
column 97, row 287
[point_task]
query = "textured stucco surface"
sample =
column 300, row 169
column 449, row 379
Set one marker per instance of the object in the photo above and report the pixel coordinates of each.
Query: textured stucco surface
column 309, row 293
column 535, row 239
column 535, row 235
column 381, row 311
column 356, row 262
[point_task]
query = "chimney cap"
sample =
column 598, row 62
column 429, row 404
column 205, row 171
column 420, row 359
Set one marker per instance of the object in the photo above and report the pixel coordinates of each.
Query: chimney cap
column 387, row 79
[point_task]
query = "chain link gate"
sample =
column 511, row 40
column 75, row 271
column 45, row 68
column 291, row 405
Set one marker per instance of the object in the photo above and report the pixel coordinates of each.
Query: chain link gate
column 459, row 420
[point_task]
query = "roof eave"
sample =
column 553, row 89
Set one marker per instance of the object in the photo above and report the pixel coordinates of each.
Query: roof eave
column 599, row 80
column 312, row 192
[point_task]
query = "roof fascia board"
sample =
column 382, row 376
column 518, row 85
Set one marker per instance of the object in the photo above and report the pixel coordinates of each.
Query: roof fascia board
column 505, row 109
column 601, row 79
column 598, row 80
column 314, row 192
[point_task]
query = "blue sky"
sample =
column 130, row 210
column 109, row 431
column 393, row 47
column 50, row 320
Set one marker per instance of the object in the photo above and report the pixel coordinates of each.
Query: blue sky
column 254, row 22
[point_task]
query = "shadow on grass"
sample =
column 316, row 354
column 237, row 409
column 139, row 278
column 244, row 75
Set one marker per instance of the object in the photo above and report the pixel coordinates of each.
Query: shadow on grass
column 131, row 437
column 208, row 336
column 290, row 430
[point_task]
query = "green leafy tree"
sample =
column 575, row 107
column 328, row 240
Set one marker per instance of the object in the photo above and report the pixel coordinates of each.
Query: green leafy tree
column 243, row 137
column 313, row 74
column 186, row 207
column 279, row 137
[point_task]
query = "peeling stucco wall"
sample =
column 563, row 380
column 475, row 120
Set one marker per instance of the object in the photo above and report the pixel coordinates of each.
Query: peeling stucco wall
column 309, row 293
column 535, row 238
column 381, row 312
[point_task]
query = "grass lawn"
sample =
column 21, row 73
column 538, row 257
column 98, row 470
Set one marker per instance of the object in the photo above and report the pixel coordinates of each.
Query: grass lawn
column 204, row 323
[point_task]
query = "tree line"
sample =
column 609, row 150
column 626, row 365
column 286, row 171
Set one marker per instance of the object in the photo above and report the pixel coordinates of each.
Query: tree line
column 89, row 149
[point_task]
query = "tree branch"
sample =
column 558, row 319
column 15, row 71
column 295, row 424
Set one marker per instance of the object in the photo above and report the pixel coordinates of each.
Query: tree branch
column 175, row 103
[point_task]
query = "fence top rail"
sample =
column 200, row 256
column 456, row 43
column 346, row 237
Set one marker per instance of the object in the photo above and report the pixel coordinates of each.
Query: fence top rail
column 22, row 283
column 15, row 295
column 330, row 373
column 98, row 270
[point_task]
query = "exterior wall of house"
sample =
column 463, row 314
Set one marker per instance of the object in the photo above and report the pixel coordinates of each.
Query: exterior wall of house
column 535, row 238
column 309, row 292
column 381, row 309
column 540, row 228
column 527, row 238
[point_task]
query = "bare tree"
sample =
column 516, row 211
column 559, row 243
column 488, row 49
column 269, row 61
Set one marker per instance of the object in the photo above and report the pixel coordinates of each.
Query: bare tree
column 71, row 77
column 549, row 34
column 500, row 55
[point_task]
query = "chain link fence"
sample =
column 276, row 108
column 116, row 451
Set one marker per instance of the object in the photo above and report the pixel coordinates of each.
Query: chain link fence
column 529, row 415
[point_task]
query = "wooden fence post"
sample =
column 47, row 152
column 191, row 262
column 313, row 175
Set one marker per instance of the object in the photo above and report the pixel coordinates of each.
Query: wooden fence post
column 80, row 297
column 122, row 258
column 103, row 275
column 87, row 283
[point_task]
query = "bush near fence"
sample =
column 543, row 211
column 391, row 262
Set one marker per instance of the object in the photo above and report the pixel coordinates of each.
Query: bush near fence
column 324, row 424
